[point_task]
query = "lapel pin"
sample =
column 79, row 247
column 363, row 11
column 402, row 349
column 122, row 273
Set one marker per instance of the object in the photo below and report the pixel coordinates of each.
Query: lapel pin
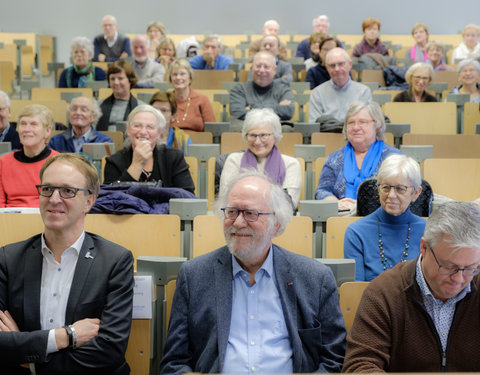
column 290, row 284
column 89, row 255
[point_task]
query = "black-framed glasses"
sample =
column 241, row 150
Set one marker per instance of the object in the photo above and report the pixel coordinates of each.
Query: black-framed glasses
column 452, row 270
column 66, row 192
column 399, row 189
column 263, row 136
column 231, row 213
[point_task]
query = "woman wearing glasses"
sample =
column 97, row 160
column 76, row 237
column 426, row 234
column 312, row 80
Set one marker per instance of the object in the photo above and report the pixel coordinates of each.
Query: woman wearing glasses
column 262, row 131
column 418, row 77
column 392, row 233
column 20, row 170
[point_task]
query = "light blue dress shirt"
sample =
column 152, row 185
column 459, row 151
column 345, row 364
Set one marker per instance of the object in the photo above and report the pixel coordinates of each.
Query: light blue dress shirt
column 258, row 341
column 79, row 141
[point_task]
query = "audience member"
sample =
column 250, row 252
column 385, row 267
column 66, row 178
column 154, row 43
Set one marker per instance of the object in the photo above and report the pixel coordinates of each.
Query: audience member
column 117, row 106
column 418, row 76
column 320, row 24
column 271, row 44
column 227, row 301
column 82, row 70
column 8, row 132
column 66, row 295
column 392, row 233
column 469, row 48
column 156, row 33
column 19, row 170
column 371, row 42
column 262, row 131
column 173, row 136
column 148, row 72
column 270, row 27
column 187, row 48
column 435, row 56
column 83, row 114
column 318, row 74
column 359, row 159
column 469, row 76
column 422, row 316
column 111, row 46
column 261, row 92
column 193, row 109
column 315, row 40
column 145, row 157
column 211, row 58
column 331, row 99
column 166, row 53
column 418, row 53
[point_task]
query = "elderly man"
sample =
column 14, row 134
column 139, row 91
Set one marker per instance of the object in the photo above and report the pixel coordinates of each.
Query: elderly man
column 111, row 46
column 422, row 316
column 252, row 306
column 261, row 92
column 321, row 24
column 211, row 58
column 329, row 102
column 271, row 43
column 270, row 27
column 8, row 133
column 83, row 116
column 65, row 295
column 148, row 71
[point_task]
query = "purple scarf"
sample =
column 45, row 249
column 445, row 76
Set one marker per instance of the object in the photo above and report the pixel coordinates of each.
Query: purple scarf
column 274, row 167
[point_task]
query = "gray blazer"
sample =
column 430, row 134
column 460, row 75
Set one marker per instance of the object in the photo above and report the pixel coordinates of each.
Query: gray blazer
column 201, row 314
column 102, row 288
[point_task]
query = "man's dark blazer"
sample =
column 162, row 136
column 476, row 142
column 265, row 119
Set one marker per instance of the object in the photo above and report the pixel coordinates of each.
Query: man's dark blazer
column 12, row 137
column 169, row 166
column 202, row 306
column 102, row 288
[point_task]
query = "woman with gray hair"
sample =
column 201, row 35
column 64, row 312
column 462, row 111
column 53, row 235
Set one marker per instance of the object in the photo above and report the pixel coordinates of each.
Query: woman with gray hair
column 392, row 233
column 144, row 158
column 82, row 70
column 262, row 131
column 360, row 159
column 418, row 77
column 468, row 75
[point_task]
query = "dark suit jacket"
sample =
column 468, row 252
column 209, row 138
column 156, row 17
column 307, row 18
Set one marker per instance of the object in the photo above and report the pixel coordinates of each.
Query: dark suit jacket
column 102, row 288
column 201, row 314
column 12, row 137
column 169, row 166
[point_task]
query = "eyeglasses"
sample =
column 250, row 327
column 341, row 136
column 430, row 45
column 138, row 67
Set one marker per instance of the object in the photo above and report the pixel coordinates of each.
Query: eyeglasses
column 399, row 189
column 452, row 270
column 231, row 213
column 420, row 78
column 362, row 123
column 263, row 136
column 340, row 64
column 66, row 192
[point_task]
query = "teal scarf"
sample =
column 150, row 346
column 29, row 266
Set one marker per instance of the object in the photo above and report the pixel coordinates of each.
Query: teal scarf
column 86, row 74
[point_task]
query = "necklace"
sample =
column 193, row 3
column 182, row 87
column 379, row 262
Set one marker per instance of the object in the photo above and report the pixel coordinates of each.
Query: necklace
column 147, row 174
column 383, row 258
column 186, row 111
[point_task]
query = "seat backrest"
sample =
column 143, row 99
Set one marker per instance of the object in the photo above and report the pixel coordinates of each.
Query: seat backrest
column 211, row 79
column 471, row 116
column 193, row 169
column 336, row 226
column 373, row 75
column 49, row 93
column 287, row 143
column 58, row 108
column 350, row 294
column 368, row 200
column 231, row 142
column 447, row 145
column 117, row 138
column 200, row 138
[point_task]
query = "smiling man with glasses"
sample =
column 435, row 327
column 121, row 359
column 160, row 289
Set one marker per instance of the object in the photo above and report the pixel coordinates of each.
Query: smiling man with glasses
column 423, row 316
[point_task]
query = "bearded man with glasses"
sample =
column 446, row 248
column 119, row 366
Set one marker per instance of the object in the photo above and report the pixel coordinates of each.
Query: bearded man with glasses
column 423, row 316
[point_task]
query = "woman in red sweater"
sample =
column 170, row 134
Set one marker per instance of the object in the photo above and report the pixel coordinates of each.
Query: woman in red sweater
column 19, row 170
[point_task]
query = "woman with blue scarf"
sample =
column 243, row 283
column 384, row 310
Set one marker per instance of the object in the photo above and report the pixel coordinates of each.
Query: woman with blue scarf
column 82, row 70
column 262, row 131
column 359, row 159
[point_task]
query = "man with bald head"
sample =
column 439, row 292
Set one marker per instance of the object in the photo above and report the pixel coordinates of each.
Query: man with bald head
column 252, row 306
column 332, row 98
column 261, row 92
column 111, row 46
column 148, row 72
column 320, row 24
column 270, row 27
column 8, row 133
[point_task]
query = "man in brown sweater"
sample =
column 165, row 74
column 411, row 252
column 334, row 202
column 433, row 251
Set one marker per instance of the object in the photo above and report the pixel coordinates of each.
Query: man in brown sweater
column 423, row 315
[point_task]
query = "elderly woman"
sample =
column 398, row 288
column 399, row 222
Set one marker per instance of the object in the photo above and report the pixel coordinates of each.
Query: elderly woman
column 121, row 78
column 435, row 53
column 20, row 170
column 82, row 70
column 370, row 42
column 468, row 75
column 193, row 109
column 156, row 33
column 319, row 73
column 360, row 159
column 392, row 233
column 145, row 158
column 418, row 52
column 262, row 131
column 173, row 136
column 470, row 47
column 418, row 76
column 314, row 42
column 166, row 53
